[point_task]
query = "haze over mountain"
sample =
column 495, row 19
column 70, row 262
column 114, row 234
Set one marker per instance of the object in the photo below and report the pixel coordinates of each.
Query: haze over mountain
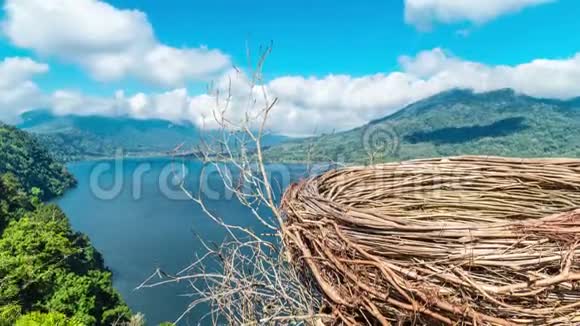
column 71, row 137
column 456, row 122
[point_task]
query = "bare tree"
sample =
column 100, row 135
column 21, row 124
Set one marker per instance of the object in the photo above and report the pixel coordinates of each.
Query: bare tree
column 249, row 279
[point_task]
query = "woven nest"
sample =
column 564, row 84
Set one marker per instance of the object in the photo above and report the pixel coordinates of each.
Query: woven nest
column 463, row 240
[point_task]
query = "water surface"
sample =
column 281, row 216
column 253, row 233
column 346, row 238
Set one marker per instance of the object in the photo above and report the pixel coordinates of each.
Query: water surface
column 150, row 224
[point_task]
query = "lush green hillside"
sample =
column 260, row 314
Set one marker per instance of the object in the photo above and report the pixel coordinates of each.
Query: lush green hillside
column 71, row 138
column 452, row 123
column 47, row 268
column 49, row 275
column 24, row 157
column 84, row 137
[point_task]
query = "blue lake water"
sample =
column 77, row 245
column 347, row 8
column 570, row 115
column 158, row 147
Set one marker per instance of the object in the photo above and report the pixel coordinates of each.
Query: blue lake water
column 139, row 220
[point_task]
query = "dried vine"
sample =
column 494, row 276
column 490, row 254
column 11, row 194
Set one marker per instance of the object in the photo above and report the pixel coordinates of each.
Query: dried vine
column 465, row 240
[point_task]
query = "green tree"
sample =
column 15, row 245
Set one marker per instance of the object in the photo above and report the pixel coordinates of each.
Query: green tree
column 90, row 298
column 45, row 266
column 49, row 275
column 47, row 319
column 23, row 156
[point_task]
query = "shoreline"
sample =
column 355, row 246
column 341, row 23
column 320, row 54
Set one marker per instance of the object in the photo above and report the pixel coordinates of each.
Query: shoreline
column 109, row 158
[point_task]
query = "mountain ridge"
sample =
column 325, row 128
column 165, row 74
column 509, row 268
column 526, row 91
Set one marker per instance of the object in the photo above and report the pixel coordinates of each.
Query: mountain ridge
column 74, row 137
column 71, row 137
column 454, row 122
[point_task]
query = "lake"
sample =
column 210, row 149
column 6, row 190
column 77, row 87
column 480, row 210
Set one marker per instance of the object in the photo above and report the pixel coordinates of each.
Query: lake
column 138, row 218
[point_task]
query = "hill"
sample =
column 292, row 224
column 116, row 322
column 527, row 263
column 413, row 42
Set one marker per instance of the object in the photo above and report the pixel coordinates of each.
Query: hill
column 71, row 138
column 24, row 157
column 49, row 274
column 456, row 122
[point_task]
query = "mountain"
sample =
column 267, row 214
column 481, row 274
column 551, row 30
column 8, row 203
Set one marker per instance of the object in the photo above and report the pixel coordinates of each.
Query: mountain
column 72, row 137
column 23, row 156
column 455, row 122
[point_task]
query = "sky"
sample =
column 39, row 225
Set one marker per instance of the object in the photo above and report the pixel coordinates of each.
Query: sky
column 334, row 64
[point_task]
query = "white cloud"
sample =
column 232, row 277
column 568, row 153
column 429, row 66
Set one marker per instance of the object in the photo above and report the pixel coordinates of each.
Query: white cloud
column 65, row 102
column 171, row 105
column 424, row 13
column 540, row 77
column 110, row 43
column 343, row 102
column 339, row 102
column 18, row 93
column 16, row 70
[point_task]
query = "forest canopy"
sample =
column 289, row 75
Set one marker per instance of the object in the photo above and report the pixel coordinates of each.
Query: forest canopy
column 24, row 157
column 49, row 274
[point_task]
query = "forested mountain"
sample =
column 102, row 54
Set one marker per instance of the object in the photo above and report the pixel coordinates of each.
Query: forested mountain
column 49, row 275
column 451, row 123
column 24, row 157
column 73, row 137
column 456, row 122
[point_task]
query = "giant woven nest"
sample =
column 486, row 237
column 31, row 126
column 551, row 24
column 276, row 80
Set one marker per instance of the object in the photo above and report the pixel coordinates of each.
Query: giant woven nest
column 458, row 241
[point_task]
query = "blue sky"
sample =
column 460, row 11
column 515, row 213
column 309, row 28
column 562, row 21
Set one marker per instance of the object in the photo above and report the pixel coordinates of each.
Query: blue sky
column 356, row 37
column 355, row 60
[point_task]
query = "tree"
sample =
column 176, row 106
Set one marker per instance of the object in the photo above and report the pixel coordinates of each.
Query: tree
column 89, row 298
column 45, row 266
column 13, row 200
column 25, row 158
column 47, row 319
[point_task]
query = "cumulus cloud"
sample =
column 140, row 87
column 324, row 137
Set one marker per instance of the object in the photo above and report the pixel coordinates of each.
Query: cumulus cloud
column 18, row 93
column 343, row 102
column 424, row 13
column 65, row 102
column 110, row 43
column 171, row 105
column 307, row 105
column 338, row 102
column 541, row 77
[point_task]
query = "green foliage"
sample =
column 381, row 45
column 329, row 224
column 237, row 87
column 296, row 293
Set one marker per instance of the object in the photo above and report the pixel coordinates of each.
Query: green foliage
column 13, row 200
column 9, row 313
column 24, row 157
column 75, row 145
column 49, row 275
column 47, row 319
column 87, row 298
column 45, row 266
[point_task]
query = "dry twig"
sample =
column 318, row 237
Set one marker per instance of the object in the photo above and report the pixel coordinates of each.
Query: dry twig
column 464, row 240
